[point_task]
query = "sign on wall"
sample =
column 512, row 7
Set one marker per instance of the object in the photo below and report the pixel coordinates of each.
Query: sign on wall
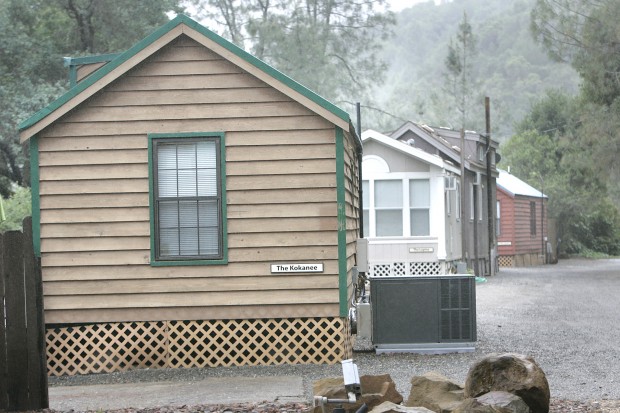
column 296, row 267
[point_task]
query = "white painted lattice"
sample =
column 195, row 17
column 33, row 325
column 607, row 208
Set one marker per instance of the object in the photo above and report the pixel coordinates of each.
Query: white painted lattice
column 399, row 269
column 406, row 269
column 381, row 270
column 425, row 268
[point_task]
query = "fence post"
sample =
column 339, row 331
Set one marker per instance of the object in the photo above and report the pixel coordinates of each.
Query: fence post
column 37, row 362
column 4, row 397
column 15, row 301
column 23, row 366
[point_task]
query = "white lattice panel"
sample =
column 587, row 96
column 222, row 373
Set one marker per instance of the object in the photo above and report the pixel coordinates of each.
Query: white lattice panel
column 424, row 268
column 406, row 269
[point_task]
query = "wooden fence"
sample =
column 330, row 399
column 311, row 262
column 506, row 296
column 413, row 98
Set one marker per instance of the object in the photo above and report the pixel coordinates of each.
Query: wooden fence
column 23, row 371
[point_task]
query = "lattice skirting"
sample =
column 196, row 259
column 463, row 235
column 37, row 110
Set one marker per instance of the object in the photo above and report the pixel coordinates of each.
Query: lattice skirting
column 98, row 348
column 506, row 261
column 406, row 269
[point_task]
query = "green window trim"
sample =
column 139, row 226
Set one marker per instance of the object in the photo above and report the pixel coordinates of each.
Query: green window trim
column 155, row 261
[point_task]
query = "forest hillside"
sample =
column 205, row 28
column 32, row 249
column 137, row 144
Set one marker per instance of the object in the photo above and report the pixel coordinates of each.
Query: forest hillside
column 509, row 66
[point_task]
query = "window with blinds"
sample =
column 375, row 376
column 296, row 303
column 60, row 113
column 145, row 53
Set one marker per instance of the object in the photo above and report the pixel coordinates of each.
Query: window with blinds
column 397, row 207
column 419, row 206
column 187, row 198
column 389, row 208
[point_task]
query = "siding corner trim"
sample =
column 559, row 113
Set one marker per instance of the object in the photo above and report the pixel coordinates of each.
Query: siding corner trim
column 342, row 225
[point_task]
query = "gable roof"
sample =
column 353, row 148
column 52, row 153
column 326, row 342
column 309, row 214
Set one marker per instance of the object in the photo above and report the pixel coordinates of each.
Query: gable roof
column 427, row 133
column 447, row 142
column 182, row 25
column 514, row 186
column 402, row 147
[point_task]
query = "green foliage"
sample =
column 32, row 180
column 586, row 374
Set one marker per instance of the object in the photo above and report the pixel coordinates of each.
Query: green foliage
column 329, row 46
column 16, row 208
column 598, row 60
column 557, row 25
column 585, row 33
column 509, row 66
column 572, row 146
column 36, row 35
column 595, row 232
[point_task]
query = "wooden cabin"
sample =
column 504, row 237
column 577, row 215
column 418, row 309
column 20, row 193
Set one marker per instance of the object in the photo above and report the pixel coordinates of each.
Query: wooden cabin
column 193, row 206
column 522, row 223
column 477, row 190
column 412, row 218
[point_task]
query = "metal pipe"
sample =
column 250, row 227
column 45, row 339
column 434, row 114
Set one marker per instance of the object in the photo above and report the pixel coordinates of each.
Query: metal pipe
column 358, row 108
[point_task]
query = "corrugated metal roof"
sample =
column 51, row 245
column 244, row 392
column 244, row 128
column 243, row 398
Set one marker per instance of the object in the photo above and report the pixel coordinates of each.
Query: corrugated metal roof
column 515, row 186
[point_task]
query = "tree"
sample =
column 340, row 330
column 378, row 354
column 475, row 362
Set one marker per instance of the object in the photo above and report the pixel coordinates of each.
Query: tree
column 16, row 208
column 36, row 35
column 558, row 25
column 330, row 46
column 598, row 63
column 550, row 145
column 459, row 71
column 585, row 34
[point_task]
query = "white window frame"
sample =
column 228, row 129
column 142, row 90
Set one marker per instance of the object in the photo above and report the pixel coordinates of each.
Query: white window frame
column 472, row 194
column 405, row 207
column 458, row 201
column 498, row 221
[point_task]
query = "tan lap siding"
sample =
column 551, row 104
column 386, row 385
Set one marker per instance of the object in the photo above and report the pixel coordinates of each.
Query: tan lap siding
column 281, row 198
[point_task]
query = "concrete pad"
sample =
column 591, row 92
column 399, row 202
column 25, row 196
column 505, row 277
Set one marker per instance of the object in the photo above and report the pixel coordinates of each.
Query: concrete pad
column 215, row 390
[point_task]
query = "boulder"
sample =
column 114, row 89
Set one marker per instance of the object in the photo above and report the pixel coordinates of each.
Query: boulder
column 375, row 390
column 379, row 389
column 389, row 407
column 494, row 402
column 513, row 373
column 435, row 392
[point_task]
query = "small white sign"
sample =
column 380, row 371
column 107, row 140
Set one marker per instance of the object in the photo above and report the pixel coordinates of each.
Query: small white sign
column 504, row 243
column 421, row 249
column 301, row 267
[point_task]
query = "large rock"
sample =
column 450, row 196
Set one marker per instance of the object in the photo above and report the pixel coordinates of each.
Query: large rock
column 375, row 390
column 435, row 392
column 512, row 373
column 494, row 402
column 379, row 389
column 389, row 407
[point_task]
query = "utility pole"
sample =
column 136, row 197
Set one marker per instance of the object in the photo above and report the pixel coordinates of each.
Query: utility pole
column 542, row 218
column 462, row 200
column 490, row 208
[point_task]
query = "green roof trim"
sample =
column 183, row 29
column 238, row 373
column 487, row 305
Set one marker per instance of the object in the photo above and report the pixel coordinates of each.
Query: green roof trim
column 85, row 60
column 343, row 270
column 73, row 62
column 141, row 45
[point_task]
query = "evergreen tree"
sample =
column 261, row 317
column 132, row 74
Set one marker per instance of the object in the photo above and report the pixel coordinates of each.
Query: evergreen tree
column 459, row 75
column 36, row 35
column 329, row 46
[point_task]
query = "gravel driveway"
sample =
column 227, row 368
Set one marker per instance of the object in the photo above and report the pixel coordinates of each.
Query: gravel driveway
column 567, row 316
